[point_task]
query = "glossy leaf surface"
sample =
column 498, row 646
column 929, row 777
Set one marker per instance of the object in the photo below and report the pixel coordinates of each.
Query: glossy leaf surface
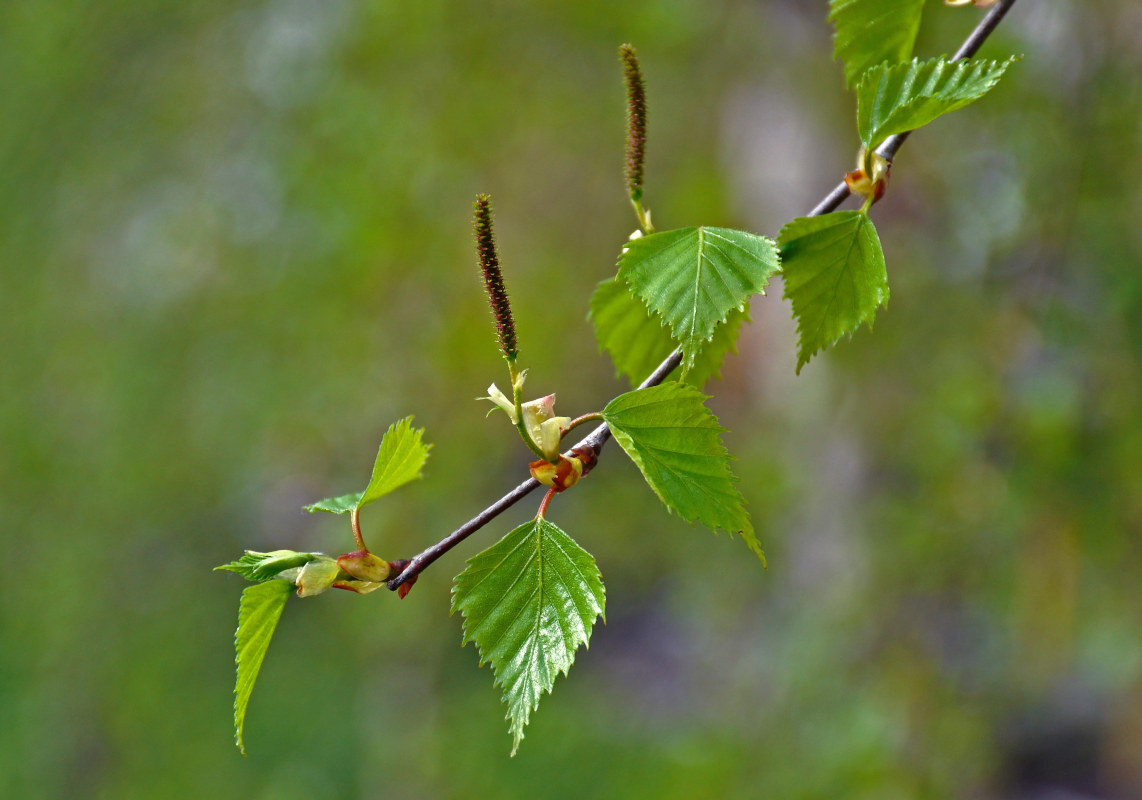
column 903, row 97
column 638, row 342
column 676, row 442
column 835, row 276
column 529, row 601
column 871, row 32
column 693, row 277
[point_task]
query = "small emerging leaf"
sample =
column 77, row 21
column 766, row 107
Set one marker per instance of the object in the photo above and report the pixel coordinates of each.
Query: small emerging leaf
column 529, row 601
column 693, row 277
column 638, row 342
column 903, row 97
column 255, row 566
column 337, row 505
column 870, row 32
column 258, row 614
column 834, row 274
column 675, row 441
column 399, row 460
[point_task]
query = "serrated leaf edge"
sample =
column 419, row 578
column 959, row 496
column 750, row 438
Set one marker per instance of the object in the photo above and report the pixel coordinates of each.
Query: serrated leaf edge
column 747, row 533
column 516, row 727
column 240, row 708
column 803, row 358
column 689, row 358
column 853, row 80
column 418, row 439
column 919, row 64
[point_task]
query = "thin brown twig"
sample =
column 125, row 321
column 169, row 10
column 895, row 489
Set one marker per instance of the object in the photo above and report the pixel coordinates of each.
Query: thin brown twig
column 598, row 437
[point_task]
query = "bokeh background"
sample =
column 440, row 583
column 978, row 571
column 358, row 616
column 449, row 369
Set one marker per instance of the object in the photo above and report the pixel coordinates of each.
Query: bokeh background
column 235, row 245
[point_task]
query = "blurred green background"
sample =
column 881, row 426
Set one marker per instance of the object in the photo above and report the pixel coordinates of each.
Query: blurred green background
column 235, row 245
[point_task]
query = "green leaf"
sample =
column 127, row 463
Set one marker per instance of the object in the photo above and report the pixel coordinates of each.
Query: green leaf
column 675, row 440
column 870, row 32
column 529, row 601
column 638, row 342
column 258, row 615
column 693, row 277
column 255, row 566
column 903, row 97
column 337, row 505
column 834, row 273
column 399, row 460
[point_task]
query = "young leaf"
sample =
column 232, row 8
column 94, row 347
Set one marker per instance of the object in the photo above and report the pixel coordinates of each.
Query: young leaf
column 255, row 566
column 529, row 601
column 337, row 505
column 258, row 615
column 674, row 439
column 399, row 460
column 693, row 277
column 834, row 273
column 869, row 32
column 903, row 97
column 638, row 342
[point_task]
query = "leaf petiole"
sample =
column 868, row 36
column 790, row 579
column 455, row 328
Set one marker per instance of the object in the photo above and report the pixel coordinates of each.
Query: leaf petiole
column 583, row 420
column 355, row 522
column 542, row 513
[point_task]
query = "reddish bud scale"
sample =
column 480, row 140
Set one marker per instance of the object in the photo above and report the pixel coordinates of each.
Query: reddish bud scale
column 560, row 476
column 406, row 587
column 859, row 183
column 587, row 456
column 493, row 278
column 364, row 566
column 636, row 120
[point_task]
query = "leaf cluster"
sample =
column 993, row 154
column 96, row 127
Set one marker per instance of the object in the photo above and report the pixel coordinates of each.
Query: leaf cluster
column 530, row 601
column 399, row 460
column 833, row 266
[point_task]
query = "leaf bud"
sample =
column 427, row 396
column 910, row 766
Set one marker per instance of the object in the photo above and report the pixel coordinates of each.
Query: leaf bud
column 544, row 428
column 870, row 178
column 560, row 476
column 316, row 576
column 364, row 566
column 360, row 587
